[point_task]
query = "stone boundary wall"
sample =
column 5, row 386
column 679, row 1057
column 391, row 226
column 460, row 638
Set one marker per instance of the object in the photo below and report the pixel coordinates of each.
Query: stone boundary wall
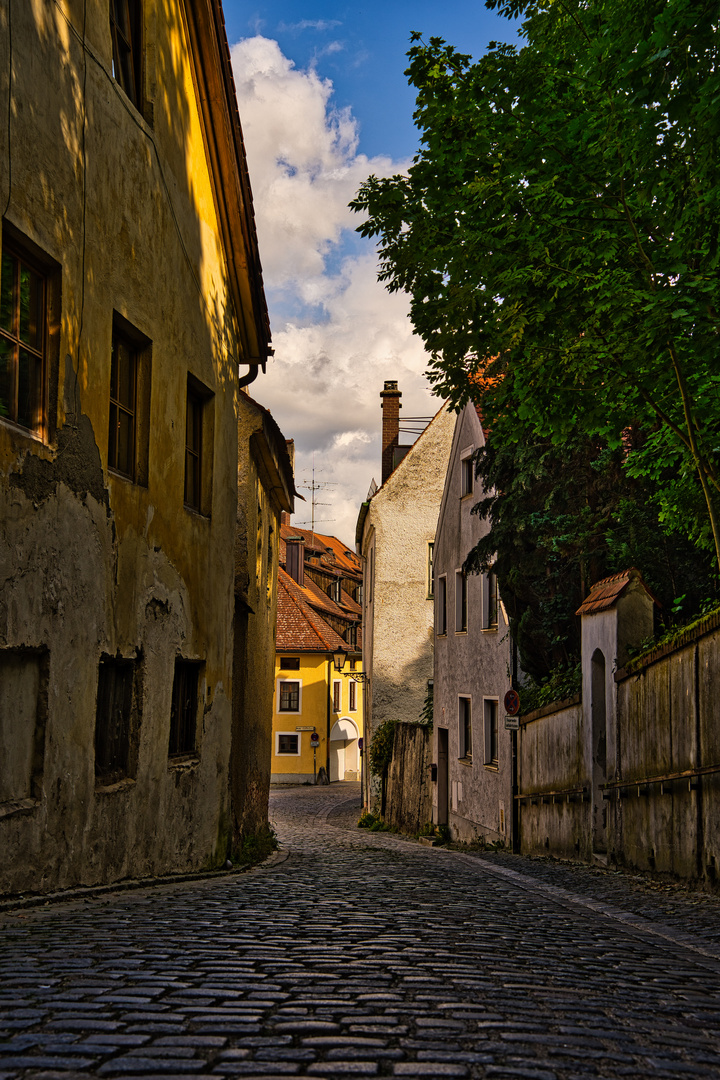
column 664, row 803
column 408, row 804
column 553, row 807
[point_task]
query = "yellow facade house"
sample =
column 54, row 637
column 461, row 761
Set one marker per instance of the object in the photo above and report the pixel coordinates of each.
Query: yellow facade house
column 132, row 312
column 318, row 710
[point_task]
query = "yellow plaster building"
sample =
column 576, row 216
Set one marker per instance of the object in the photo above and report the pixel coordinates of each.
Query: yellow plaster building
column 131, row 314
column 311, row 697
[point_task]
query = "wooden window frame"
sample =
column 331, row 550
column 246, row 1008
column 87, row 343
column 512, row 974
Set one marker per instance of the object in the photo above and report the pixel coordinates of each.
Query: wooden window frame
column 184, row 708
column 461, row 602
column 289, row 695
column 465, row 752
column 126, row 32
column 467, row 475
column 287, row 735
column 352, row 696
column 441, row 605
column 12, row 337
column 491, row 724
column 116, row 721
column 198, row 452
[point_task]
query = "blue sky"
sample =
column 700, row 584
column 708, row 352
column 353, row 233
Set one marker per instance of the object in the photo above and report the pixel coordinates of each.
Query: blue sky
column 324, row 103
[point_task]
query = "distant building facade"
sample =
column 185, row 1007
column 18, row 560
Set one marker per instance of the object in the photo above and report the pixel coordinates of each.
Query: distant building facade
column 318, row 617
column 473, row 662
column 395, row 536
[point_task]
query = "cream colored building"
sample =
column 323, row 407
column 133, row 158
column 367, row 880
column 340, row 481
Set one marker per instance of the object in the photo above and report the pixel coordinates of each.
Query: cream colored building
column 131, row 313
column 395, row 536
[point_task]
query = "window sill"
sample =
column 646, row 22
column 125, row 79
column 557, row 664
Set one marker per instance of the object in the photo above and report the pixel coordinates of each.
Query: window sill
column 465, row 760
column 491, row 765
column 35, row 437
column 288, row 753
column 194, row 512
column 183, row 761
column 489, row 629
column 18, row 806
column 461, row 633
column 119, row 785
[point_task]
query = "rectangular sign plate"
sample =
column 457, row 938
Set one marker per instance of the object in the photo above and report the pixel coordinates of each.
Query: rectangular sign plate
column 512, row 723
column 304, row 728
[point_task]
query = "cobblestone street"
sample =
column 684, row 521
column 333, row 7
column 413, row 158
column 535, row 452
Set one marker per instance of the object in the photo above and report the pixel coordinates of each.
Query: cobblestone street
column 363, row 954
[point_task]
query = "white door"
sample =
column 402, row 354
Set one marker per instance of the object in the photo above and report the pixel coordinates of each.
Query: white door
column 337, row 760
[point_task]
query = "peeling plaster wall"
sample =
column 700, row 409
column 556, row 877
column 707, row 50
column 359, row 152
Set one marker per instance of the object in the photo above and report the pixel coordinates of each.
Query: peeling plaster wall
column 92, row 563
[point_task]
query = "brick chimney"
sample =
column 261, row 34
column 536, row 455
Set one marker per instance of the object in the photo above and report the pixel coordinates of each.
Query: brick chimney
column 284, row 517
column 390, row 426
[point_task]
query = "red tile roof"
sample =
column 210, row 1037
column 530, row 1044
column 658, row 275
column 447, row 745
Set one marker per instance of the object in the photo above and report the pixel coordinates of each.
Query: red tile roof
column 604, row 594
column 299, row 627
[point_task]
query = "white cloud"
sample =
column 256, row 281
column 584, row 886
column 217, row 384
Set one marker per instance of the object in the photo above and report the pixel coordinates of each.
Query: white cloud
column 347, row 334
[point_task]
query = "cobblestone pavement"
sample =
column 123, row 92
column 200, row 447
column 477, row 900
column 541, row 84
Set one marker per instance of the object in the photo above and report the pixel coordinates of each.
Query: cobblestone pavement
column 363, row 954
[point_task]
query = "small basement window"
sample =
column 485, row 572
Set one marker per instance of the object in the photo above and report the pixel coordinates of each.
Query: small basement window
column 288, row 743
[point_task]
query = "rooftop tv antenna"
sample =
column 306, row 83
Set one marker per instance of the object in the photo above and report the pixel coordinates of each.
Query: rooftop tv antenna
column 313, row 486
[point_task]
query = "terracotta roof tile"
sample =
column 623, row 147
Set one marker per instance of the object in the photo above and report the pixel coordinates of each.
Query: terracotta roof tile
column 299, row 627
column 604, row 594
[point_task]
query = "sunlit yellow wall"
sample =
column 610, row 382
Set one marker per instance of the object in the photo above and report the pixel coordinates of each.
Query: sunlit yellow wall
column 93, row 564
column 316, row 676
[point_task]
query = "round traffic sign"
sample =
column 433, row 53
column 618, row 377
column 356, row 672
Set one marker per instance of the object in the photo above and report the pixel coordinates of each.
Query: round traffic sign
column 314, row 739
column 512, row 703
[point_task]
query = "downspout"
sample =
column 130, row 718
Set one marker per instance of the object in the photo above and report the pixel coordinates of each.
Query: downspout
column 327, row 732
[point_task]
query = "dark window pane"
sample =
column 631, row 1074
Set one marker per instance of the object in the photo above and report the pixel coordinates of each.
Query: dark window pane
column 29, row 373
column 125, row 375
column 124, row 462
column 112, row 724
column 7, row 289
column 7, row 359
column 31, row 305
column 184, row 708
column 287, row 744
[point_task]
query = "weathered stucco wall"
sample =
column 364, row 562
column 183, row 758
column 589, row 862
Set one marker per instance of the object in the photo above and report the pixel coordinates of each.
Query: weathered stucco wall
column 119, row 205
column 397, row 610
column 475, row 799
column 551, row 758
column 409, row 791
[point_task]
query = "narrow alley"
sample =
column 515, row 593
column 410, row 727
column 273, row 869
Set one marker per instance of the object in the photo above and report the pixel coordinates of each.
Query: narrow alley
column 363, row 954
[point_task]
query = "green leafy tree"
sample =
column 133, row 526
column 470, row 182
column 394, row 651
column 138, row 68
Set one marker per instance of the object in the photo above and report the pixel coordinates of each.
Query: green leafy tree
column 562, row 218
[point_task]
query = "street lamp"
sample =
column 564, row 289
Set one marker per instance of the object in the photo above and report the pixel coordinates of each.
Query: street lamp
column 339, row 658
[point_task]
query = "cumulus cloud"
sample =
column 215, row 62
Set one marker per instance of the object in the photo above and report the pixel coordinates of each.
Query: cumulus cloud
column 338, row 334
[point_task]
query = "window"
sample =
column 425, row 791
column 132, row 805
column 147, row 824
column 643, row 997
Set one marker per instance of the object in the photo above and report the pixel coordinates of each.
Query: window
column 115, row 721
column 126, row 32
column 287, row 743
column 350, row 636
column 289, row 663
column 288, row 696
column 491, row 732
column 430, row 582
column 490, row 601
column 198, row 447
column 183, row 712
column 334, row 591
column 442, row 606
column 467, row 475
column 337, row 695
column 352, row 695
column 465, row 728
column 23, row 712
column 294, row 560
column 460, row 602
column 123, row 394
column 128, row 434
column 23, row 339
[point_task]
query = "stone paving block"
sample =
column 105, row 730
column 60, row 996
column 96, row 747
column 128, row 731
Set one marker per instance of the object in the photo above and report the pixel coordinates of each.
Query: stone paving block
column 343, row 1068
column 421, row 1068
column 132, row 1064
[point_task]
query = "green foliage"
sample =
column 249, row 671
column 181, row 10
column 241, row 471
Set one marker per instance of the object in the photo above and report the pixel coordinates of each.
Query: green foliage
column 562, row 518
column 256, row 847
column 426, row 715
column 367, row 820
column 443, row 832
column 562, row 218
column 381, row 747
column 563, row 682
